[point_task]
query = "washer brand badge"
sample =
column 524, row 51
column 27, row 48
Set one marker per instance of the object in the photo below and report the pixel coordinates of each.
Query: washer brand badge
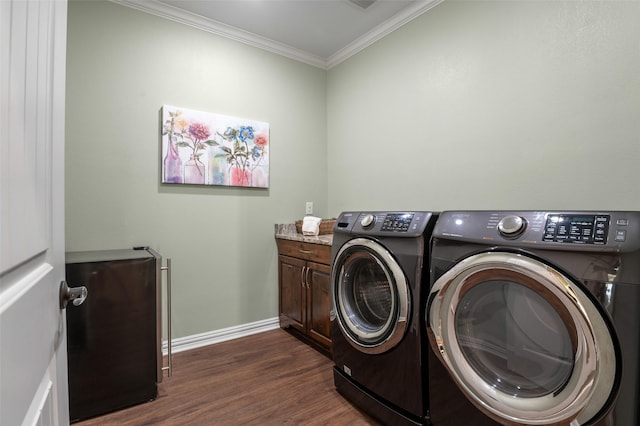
column 347, row 370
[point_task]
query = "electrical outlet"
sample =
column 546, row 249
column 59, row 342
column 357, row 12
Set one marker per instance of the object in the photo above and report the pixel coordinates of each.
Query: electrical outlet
column 309, row 207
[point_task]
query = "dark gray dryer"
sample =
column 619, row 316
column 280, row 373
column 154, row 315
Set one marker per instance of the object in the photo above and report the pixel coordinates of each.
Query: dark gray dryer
column 379, row 279
column 533, row 318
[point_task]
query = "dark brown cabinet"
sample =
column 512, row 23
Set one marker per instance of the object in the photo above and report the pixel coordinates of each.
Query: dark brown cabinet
column 305, row 291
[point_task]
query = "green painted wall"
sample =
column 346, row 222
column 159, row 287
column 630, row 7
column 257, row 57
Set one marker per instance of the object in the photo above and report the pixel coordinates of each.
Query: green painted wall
column 122, row 66
column 491, row 105
column 474, row 104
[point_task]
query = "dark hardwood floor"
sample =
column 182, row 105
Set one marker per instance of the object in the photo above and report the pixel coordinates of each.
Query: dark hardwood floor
column 270, row 378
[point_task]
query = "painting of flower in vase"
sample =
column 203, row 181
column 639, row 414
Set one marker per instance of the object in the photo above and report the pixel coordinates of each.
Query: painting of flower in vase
column 204, row 148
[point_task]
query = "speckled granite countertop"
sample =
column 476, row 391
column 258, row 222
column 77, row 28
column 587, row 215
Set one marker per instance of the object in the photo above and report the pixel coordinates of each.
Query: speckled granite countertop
column 288, row 231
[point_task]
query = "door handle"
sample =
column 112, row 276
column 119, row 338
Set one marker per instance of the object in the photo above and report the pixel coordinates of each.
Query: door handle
column 75, row 294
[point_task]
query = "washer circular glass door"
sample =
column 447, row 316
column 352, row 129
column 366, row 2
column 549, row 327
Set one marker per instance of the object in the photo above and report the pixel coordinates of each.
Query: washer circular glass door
column 370, row 295
column 523, row 342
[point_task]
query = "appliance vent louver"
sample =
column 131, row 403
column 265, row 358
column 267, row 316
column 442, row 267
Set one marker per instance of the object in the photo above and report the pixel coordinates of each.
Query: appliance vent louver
column 363, row 3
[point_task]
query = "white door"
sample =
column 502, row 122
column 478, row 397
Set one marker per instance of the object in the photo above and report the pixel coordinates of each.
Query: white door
column 33, row 370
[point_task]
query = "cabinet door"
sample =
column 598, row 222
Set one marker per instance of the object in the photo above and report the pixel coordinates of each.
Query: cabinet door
column 319, row 303
column 292, row 292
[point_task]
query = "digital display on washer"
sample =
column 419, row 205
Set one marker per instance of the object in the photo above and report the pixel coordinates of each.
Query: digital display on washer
column 580, row 229
column 396, row 222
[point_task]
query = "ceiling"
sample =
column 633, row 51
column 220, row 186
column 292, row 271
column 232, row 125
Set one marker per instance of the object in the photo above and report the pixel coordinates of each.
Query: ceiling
column 319, row 32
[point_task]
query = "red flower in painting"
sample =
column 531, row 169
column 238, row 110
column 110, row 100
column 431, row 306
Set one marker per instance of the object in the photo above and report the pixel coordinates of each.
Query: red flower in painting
column 199, row 131
column 261, row 141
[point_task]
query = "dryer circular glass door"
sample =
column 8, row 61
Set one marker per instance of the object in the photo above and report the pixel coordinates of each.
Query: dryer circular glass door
column 370, row 295
column 524, row 343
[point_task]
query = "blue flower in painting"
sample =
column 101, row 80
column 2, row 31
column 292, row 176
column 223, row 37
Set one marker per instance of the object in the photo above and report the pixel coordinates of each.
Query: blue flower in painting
column 230, row 133
column 246, row 132
column 256, row 152
column 244, row 151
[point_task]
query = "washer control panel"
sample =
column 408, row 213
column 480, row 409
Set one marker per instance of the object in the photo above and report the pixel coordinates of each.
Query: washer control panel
column 397, row 222
column 408, row 224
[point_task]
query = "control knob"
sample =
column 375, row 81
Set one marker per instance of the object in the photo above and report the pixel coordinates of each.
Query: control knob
column 367, row 220
column 511, row 226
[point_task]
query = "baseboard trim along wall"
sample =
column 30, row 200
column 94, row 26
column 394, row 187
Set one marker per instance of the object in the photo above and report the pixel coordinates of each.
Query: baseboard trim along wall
column 216, row 336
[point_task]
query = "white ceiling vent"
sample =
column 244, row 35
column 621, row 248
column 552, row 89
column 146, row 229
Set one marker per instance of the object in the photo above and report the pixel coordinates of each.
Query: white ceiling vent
column 363, row 3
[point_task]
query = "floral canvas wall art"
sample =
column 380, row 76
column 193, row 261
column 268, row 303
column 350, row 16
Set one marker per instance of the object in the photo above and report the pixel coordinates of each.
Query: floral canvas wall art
column 204, row 148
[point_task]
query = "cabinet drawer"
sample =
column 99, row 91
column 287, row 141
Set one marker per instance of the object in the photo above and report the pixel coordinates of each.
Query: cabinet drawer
column 308, row 251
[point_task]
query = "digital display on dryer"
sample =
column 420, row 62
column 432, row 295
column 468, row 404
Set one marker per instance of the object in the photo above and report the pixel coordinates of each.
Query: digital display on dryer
column 578, row 229
column 397, row 222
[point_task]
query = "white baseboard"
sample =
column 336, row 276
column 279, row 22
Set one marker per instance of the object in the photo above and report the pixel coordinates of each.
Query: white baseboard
column 181, row 344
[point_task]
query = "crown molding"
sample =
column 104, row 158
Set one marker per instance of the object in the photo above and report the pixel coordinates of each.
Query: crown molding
column 382, row 30
column 175, row 14
column 218, row 28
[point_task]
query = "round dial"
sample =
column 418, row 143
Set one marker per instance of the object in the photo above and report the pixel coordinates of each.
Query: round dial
column 512, row 226
column 367, row 220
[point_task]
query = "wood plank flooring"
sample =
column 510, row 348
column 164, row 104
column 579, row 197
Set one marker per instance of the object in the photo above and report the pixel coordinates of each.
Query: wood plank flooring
column 269, row 378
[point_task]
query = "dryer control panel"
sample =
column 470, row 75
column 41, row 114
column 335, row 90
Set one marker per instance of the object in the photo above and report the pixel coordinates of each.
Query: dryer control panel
column 409, row 224
column 581, row 229
column 570, row 230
